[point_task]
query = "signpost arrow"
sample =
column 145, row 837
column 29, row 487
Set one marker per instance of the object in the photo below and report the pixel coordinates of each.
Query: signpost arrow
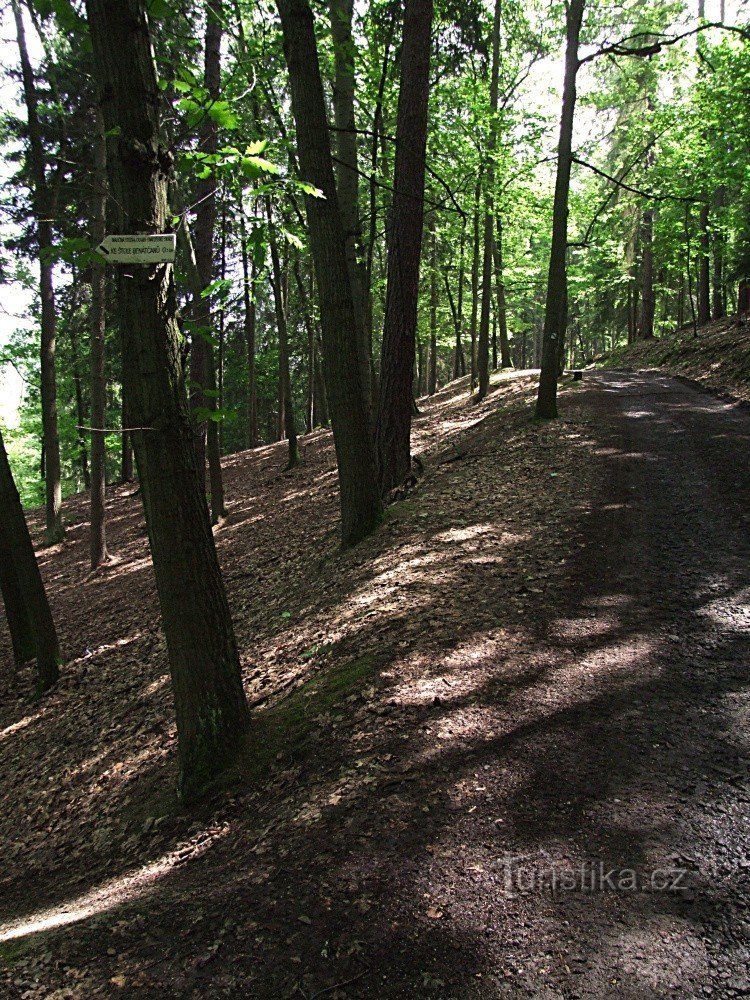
column 148, row 249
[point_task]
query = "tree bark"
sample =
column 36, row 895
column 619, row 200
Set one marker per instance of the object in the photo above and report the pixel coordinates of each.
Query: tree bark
column 202, row 365
column 286, row 404
column 646, row 331
column 347, row 174
column 476, row 250
column 483, row 353
column 98, row 319
column 42, row 203
column 249, row 321
column 16, row 615
column 211, row 709
column 361, row 509
column 432, row 373
column 83, row 455
column 393, row 432
column 502, row 312
column 719, row 305
column 556, row 307
column 704, row 269
column 18, row 540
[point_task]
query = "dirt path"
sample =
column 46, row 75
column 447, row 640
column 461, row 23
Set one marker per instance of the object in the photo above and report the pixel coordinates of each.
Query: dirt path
column 553, row 638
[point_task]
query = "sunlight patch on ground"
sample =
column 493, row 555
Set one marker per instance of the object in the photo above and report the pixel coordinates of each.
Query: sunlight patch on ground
column 21, row 724
column 116, row 892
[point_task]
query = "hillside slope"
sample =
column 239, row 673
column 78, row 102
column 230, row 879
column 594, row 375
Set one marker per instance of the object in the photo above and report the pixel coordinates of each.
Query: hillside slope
column 718, row 357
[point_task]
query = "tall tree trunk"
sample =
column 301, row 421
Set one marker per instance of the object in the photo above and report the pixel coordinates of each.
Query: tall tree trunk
column 16, row 615
column 98, row 319
column 202, row 367
column 393, row 433
column 476, row 250
column 646, row 330
column 18, row 540
column 361, row 509
column 307, row 319
column 286, row 405
column 483, row 353
column 83, row 455
column 250, row 318
column 719, row 306
column 556, row 307
column 212, row 713
column 377, row 128
column 42, row 202
column 704, row 270
column 432, row 373
column 502, row 312
column 347, row 174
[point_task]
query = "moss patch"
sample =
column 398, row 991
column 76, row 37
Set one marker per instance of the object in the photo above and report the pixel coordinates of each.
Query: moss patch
column 287, row 729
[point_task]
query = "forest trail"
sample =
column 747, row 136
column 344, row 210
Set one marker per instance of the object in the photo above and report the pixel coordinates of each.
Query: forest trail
column 542, row 662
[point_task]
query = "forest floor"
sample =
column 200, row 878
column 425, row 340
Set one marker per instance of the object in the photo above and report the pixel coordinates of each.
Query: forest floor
column 539, row 665
column 716, row 355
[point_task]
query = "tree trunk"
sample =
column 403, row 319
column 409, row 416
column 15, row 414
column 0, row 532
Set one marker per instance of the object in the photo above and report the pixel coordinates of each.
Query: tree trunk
column 432, row 373
column 556, row 307
column 476, row 248
column 393, row 433
column 210, row 704
column 347, row 175
column 83, row 455
column 502, row 312
column 361, row 509
column 646, row 331
column 16, row 615
column 18, row 540
column 286, row 406
column 483, row 353
column 250, row 319
column 202, row 366
column 719, row 304
column 42, row 203
column 98, row 539
column 704, row 271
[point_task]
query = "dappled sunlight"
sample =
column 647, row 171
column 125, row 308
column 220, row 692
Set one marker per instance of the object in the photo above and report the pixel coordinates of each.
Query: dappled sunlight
column 16, row 727
column 117, row 892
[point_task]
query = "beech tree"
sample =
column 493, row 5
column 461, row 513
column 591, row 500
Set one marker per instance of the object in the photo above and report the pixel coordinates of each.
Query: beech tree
column 210, row 704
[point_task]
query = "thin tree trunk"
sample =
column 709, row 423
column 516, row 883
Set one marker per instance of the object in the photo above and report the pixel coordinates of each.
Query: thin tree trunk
column 475, row 282
column 646, row 331
column 286, row 407
column 210, row 705
column 202, row 367
column 83, row 455
column 432, row 373
column 98, row 319
column 250, row 319
column 556, row 307
column 18, row 541
column 719, row 304
column 347, row 174
column 393, row 433
column 483, row 354
column 361, row 509
column 307, row 319
column 502, row 312
column 42, row 213
column 704, row 270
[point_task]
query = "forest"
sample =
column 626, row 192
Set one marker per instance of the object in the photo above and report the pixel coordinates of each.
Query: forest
column 374, row 478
